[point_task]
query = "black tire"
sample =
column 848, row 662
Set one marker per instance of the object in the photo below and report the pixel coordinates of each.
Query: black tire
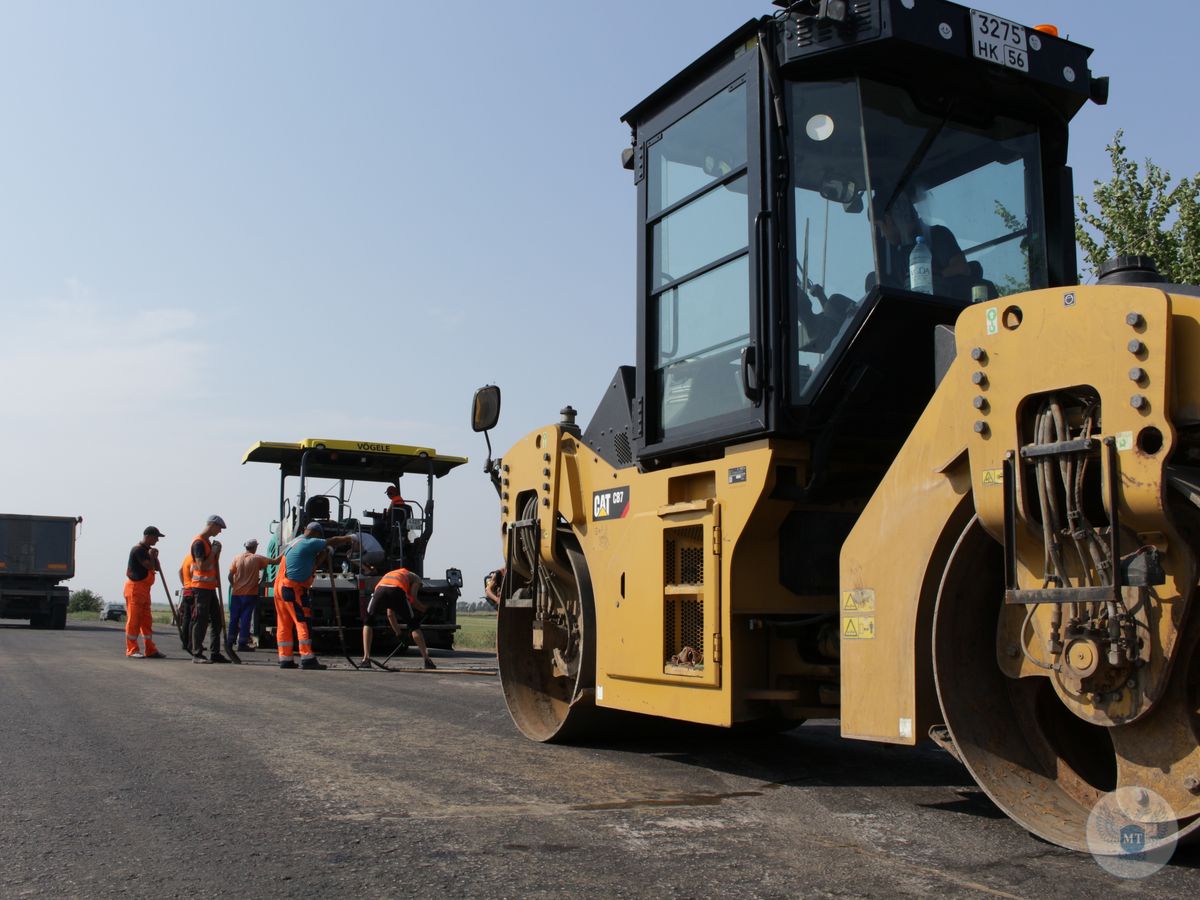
column 58, row 618
column 39, row 621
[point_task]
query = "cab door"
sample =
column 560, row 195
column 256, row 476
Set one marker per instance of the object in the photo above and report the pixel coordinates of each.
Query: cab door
column 700, row 292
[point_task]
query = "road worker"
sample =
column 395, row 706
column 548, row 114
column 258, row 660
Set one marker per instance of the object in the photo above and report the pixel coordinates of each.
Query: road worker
column 394, row 497
column 203, row 578
column 245, row 573
column 397, row 594
column 292, row 613
column 139, row 578
column 492, row 583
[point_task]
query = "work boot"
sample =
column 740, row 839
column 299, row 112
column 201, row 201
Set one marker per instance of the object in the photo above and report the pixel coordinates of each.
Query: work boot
column 157, row 654
column 199, row 658
column 136, row 654
column 245, row 648
column 218, row 658
column 313, row 663
column 287, row 664
column 429, row 664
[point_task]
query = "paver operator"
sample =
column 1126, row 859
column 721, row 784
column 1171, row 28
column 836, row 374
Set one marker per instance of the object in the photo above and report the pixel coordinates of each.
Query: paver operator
column 139, row 578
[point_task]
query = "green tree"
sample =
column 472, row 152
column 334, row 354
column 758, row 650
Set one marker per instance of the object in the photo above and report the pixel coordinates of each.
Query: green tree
column 1142, row 213
column 84, row 601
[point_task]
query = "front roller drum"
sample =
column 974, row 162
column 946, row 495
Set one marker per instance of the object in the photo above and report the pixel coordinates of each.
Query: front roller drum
column 1039, row 762
column 550, row 688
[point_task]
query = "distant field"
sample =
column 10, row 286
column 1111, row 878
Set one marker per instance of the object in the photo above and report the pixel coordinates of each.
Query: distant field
column 158, row 616
column 478, row 631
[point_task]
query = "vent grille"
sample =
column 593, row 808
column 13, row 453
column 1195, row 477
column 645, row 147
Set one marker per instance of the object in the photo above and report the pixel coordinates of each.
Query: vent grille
column 810, row 32
column 683, row 628
column 683, row 555
column 623, row 450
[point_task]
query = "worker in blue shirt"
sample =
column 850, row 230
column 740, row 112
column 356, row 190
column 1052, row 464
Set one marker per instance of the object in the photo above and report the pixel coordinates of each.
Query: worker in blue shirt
column 292, row 611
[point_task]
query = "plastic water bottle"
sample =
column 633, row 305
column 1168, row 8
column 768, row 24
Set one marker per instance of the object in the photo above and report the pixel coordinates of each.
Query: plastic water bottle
column 920, row 268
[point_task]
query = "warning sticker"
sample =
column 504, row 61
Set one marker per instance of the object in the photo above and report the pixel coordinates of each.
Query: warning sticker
column 993, row 477
column 858, row 601
column 993, row 319
column 1124, row 441
column 858, row 628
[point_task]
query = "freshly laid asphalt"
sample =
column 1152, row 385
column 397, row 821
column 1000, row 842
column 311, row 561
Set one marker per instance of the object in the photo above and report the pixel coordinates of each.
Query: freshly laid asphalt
column 160, row 778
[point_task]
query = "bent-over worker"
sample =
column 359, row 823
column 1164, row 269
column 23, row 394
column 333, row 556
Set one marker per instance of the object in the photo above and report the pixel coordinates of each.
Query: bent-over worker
column 397, row 595
column 292, row 612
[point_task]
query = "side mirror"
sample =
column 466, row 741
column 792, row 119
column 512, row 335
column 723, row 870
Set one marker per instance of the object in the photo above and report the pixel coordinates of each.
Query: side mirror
column 485, row 409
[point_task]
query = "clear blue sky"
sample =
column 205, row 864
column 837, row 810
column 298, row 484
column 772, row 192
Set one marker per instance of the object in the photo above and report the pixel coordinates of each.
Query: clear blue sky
column 226, row 222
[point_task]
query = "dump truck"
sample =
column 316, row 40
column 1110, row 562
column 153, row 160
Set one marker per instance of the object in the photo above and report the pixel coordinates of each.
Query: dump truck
column 947, row 496
column 402, row 529
column 37, row 554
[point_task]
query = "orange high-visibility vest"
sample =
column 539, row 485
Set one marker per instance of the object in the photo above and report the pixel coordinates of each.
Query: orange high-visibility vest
column 399, row 578
column 202, row 576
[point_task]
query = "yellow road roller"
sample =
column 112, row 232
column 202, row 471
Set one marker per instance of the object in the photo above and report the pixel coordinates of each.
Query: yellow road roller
column 881, row 458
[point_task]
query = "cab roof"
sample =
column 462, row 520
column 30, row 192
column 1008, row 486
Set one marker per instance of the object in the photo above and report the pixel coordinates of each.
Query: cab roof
column 352, row 460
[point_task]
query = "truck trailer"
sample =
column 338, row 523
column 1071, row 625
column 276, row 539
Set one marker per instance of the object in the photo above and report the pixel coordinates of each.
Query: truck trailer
column 37, row 554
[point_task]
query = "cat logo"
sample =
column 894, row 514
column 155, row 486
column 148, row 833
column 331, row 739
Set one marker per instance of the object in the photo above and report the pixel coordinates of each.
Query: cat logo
column 610, row 504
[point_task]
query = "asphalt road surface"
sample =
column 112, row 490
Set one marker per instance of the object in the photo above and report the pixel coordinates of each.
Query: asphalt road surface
column 160, row 778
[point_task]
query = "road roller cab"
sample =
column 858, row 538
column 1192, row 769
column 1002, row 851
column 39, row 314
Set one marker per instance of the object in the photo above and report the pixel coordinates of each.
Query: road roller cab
column 880, row 458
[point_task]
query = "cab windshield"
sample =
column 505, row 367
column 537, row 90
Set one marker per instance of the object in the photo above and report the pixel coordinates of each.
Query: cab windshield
column 874, row 175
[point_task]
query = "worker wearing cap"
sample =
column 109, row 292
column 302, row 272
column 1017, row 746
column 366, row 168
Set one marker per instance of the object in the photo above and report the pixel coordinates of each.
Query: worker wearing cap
column 245, row 573
column 394, row 497
column 397, row 594
column 203, row 578
column 139, row 578
column 292, row 613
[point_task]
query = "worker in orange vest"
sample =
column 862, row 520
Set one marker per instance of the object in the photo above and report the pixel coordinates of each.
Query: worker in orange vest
column 296, row 572
column 139, row 578
column 203, row 578
column 397, row 594
column 394, row 497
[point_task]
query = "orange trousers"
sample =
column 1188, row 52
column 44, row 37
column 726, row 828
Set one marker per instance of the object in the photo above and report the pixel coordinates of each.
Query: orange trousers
column 138, row 621
column 291, row 618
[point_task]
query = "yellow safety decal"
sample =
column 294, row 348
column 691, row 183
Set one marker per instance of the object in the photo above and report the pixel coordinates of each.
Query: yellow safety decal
column 993, row 477
column 858, row 628
column 1124, row 440
column 859, row 601
column 993, row 319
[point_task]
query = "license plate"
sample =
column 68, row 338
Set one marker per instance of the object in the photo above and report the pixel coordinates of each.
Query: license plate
column 999, row 41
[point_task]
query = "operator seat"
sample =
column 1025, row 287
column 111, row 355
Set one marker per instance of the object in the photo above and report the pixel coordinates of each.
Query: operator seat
column 316, row 509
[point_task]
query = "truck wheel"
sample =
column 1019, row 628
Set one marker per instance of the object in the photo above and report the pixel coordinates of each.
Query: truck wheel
column 40, row 620
column 58, row 618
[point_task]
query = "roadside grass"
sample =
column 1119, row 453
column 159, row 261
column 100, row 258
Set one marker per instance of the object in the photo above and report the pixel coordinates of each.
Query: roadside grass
column 478, row 631
column 157, row 616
